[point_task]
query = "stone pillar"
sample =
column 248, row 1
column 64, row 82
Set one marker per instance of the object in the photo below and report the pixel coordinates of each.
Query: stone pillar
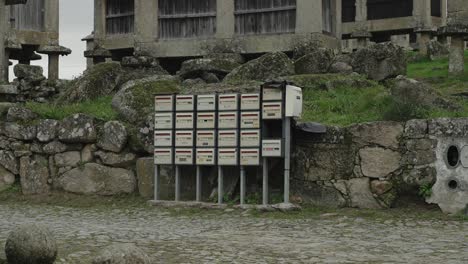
column 308, row 16
column 146, row 22
column 338, row 9
column 422, row 14
column 423, row 38
column 444, row 11
column 225, row 21
column 361, row 10
column 51, row 16
column 53, row 67
column 4, row 28
column 456, row 57
column 99, row 21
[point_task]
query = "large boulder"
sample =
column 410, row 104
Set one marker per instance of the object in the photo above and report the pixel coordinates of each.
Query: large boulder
column 21, row 114
column 31, row 244
column 97, row 179
column 267, row 67
column 378, row 162
column 121, row 254
column 317, row 61
column 113, row 137
column 380, row 61
column 8, row 161
column 78, row 128
column 32, row 73
column 19, row 130
column 360, row 194
column 136, row 98
column 197, row 67
column 116, row 160
column 34, row 175
column 6, row 179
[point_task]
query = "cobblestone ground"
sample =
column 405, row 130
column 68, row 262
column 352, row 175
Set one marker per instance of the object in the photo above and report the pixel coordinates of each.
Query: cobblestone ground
column 237, row 237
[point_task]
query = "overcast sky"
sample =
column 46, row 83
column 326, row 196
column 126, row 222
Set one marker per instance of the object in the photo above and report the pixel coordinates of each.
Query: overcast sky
column 76, row 22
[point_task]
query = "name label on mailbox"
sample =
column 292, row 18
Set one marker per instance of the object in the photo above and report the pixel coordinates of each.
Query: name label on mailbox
column 185, row 102
column 250, row 138
column 163, row 121
column 250, row 102
column 272, row 148
column 227, row 138
column 206, row 120
column 228, row 157
column 163, row 138
column 250, row 120
column 206, row 138
column 206, row 157
column 250, row 157
column 227, row 120
column 184, row 138
column 228, row 102
column 164, row 103
column 272, row 94
column 206, row 102
column 162, row 156
column 184, row 120
column 273, row 110
column 184, row 157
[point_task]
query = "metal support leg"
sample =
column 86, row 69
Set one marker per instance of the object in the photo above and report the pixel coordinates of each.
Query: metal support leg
column 220, row 185
column 156, row 183
column 265, row 181
column 287, row 157
column 177, row 183
column 242, row 185
column 199, row 184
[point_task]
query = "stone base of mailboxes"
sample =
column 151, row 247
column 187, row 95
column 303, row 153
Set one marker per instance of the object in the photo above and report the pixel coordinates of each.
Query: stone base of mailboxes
column 283, row 207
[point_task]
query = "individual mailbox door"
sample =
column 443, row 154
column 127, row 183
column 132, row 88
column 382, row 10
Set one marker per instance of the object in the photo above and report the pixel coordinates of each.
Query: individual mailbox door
column 163, row 138
column 272, row 94
column 185, row 102
column 164, row 103
column 250, row 138
column 206, row 120
column 250, row 120
column 228, row 156
column 206, row 157
column 228, row 102
column 272, row 148
column 184, row 138
column 464, row 156
column 163, row 121
column 183, row 156
column 249, row 157
column 227, row 138
column 293, row 104
column 184, row 120
column 163, row 156
column 250, row 102
column 227, row 120
column 206, row 138
column 206, row 102
column 272, row 110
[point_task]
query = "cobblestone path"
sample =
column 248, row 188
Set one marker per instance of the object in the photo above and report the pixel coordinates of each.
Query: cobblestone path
column 236, row 237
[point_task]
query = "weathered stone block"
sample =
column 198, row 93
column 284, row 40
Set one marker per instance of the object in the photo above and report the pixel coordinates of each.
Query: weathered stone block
column 8, row 161
column 34, row 175
column 379, row 162
column 113, row 137
column 77, row 129
column 18, row 131
column 47, row 130
column 416, row 128
column 385, row 134
column 116, row 160
column 312, row 193
column 6, row 179
column 68, row 159
column 361, row 195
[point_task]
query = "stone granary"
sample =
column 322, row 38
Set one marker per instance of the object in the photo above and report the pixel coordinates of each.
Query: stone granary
column 407, row 21
column 29, row 27
column 169, row 29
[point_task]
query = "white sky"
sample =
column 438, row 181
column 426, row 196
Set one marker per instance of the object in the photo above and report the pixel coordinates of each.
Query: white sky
column 76, row 22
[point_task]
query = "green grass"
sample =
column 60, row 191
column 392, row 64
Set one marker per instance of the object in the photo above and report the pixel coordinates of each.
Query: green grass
column 99, row 108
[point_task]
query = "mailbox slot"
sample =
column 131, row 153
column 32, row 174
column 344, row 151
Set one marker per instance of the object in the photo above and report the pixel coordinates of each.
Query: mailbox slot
column 206, row 120
column 250, row 120
column 227, row 138
column 184, row 138
column 227, row 120
column 206, row 102
column 272, row 94
column 250, row 138
column 272, row 110
column 163, row 138
column 185, row 103
column 163, row 121
column 163, row 156
column 228, row 102
column 249, row 157
column 250, row 102
column 184, row 120
column 228, row 156
column 206, row 138
column 164, row 103
column 184, row 156
column 272, row 148
column 206, row 157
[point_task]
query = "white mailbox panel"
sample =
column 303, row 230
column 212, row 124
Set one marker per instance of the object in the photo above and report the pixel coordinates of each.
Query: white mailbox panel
column 464, row 156
column 206, row 120
column 250, row 138
column 272, row 94
column 272, row 148
column 249, row 157
column 185, row 102
column 206, row 138
column 227, row 120
column 293, row 107
column 163, row 156
column 163, row 121
column 184, row 120
column 228, row 102
column 184, row 138
column 163, row 138
column 250, row 120
column 206, row 102
column 272, row 110
column 206, row 157
column 228, row 156
column 183, row 156
column 250, row 102
column 164, row 103
column 227, row 138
